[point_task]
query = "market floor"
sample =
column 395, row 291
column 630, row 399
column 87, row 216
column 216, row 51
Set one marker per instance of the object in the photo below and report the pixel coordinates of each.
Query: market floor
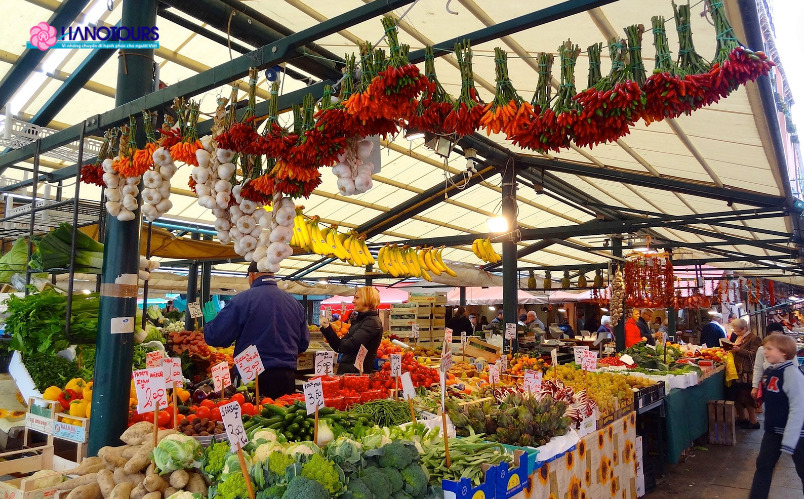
column 725, row 472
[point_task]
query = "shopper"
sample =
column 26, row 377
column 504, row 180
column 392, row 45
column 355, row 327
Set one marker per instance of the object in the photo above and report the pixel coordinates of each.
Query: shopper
column 270, row 319
column 632, row 333
column 783, row 392
column 366, row 331
column 532, row 322
column 713, row 331
column 604, row 331
column 460, row 323
column 760, row 363
column 473, row 321
column 523, row 318
column 744, row 352
column 643, row 324
column 483, row 323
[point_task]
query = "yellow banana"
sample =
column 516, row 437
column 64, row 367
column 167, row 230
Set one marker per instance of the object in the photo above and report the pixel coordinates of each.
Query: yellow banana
column 341, row 240
column 494, row 256
column 475, row 249
column 400, row 261
column 482, row 252
column 347, row 243
column 357, row 251
column 294, row 240
column 369, row 257
column 420, row 256
column 381, row 260
column 319, row 242
column 426, row 275
column 329, row 239
column 431, row 266
column 301, row 230
column 337, row 246
column 412, row 262
column 441, row 263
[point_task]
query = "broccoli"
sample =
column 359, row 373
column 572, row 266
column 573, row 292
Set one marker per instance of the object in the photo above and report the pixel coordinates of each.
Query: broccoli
column 214, row 458
column 357, row 489
column 279, row 462
column 323, row 471
column 394, row 478
column 304, row 488
column 272, row 492
column 377, row 482
column 398, row 455
column 415, row 478
column 233, row 487
column 401, row 494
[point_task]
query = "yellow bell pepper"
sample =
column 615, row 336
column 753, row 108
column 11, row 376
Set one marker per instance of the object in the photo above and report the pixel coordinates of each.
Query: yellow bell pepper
column 52, row 393
column 88, row 391
column 89, row 408
column 76, row 384
column 132, row 392
column 78, row 408
column 182, row 394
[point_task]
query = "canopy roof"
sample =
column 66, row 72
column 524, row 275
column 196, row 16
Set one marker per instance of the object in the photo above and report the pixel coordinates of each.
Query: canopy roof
column 728, row 158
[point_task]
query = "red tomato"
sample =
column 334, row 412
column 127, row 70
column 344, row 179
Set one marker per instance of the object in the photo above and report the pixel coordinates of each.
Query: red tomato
column 215, row 415
column 249, row 409
column 180, row 418
column 223, row 402
column 163, row 418
column 239, row 398
column 267, row 400
column 203, row 412
column 207, row 403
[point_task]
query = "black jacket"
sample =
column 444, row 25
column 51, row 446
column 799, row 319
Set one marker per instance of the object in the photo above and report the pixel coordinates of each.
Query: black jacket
column 644, row 329
column 366, row 330
column 458, row 324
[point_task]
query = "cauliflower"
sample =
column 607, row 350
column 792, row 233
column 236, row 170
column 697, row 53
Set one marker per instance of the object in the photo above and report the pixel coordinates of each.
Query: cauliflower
column 278, row 462
column 264, row 451
column 215, row 458
column 233, row 487
column 267, row 434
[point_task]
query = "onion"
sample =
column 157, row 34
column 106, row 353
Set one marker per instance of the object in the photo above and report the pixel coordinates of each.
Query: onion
column 162, row 156
column 200, row 174
column 165, row 205
column 346, row 186
column 129, row 202
column 225, row 155
column 113, row 207
column 125, row 215
column 363, row 183
column 246, row 224
column 111, row 180
column 151, row 196
column 364, row 148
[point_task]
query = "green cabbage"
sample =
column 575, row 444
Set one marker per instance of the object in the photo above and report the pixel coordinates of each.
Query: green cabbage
column 15, row 261
column 177, row 452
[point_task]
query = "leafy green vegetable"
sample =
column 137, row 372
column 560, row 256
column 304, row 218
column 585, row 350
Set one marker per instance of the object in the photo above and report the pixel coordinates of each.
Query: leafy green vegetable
column 15, row 261
column 50, row 370
column 325, row 472
column 214, row 458
column 232, row 487
column 53, row 251
column 177, row 452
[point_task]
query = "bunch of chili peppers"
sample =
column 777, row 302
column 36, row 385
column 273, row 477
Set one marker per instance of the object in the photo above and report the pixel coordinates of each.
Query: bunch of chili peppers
column 436, row 104
column 503, row 109
column 467, row 111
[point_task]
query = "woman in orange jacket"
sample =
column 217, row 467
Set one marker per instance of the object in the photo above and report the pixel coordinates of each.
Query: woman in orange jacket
column 632, row 333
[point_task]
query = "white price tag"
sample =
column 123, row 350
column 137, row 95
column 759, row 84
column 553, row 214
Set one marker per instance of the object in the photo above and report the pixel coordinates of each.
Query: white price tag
column 361, row 357
column 503, row 363
column 153, row 359
column 442, row 379
column 343, row 310
column 533, row 381
column 122, row 325
column 150, row 387
column 313, row 395
column 554, row 356
column 414, row 331
column 578, row 352
column 408, row 392
column 221, row 377
column 249, row 364
column 463, row 339
column 328, row 313
column 446, row 361
column 195, row 309
column 233, row 422
column 324, row 361
column 510, row 331
column 396, row 365
column 448, row 336
column 627, row 359
column 172, row 368
column 494, row 374
column 589, row 360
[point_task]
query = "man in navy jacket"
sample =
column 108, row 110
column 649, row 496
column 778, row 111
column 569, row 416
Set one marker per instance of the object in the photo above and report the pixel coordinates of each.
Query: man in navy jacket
column 270, row 319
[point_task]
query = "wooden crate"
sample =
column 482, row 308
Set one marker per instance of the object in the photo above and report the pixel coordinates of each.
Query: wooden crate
column 480, row 349
column 722, row 418
column 28, row 488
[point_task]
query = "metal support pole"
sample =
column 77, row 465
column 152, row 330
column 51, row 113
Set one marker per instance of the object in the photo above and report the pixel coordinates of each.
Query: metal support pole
column 34, row 188
column 192, row 288
column 76, row 196
column 510, row 280
column 462, row 298
column 671, row 322
column 118, row 303
column 206, row 277
column 619, row 329
column 145, row 284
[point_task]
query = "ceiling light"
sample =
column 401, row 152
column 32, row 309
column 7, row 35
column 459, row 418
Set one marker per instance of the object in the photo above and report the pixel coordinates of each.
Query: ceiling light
column 604, row 309
column 492, row 308
column 323, row 281
column 413, row 133
column 498, row 224
column 562, row 310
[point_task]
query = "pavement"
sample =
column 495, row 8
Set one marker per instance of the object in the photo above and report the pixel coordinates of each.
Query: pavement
column 718, row 471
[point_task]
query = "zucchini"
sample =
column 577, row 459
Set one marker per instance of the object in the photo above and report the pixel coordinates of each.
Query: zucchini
column 294, row 428
column 270, row 410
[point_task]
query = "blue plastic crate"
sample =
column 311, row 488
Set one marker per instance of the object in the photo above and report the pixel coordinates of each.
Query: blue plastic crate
column 532, row 454
column 463, row 489
column 511, row 479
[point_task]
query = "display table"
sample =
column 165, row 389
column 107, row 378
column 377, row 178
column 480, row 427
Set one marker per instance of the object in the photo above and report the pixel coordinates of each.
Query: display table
column 687, row 413
column 603, row 464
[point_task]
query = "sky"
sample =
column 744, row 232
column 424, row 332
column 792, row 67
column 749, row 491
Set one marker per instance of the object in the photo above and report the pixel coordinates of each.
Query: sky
column 788, row 20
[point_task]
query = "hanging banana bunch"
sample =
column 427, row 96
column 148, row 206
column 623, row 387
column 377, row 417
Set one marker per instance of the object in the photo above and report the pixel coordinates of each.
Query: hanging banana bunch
column 308, row 235
column 482, row 249
column 407, row 261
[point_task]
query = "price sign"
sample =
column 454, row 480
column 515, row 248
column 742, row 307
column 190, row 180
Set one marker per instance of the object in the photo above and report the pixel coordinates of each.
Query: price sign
column 313, row 395
column 324, row 360
column 578, row 352
column 221, row 377
column 172, row 368
column 448, row 336
column 503, row 363
column 554, row 356
column 233, row 422
column 361, row 356
column 627, row 359
column 589, row 360
column 249, row 364
column 446, row 360
column 408, row 392
column 463, row 339
column 533, row 381
column 153, row 359
column 328, row 313
column 414, row 331
column 195, row 309
column 151, row 391
column 510, row 331
column 396, row 365
column 71, row 432
column 494, row 374
column 343, row 310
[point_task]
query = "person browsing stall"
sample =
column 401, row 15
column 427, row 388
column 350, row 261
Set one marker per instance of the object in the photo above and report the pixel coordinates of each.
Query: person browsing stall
column 643, row 324
column 713, row 332
column 745, row 352
column 459, row 323
column 268, row 318
column 366, row 330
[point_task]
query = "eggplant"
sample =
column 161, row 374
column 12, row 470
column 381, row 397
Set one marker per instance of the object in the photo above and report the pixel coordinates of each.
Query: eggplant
column 201, row 394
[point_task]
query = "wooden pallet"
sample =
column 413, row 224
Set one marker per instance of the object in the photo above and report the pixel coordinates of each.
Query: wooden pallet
column 722, row 416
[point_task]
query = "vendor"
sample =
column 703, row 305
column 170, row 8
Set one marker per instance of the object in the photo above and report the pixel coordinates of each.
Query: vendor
column 644, row 325
column 532, row 322
column 270, row 319
column 460, row 323
column 366, row 330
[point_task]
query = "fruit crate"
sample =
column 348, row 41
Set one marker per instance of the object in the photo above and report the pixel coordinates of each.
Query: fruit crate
column 646, row 396
column 624, row 406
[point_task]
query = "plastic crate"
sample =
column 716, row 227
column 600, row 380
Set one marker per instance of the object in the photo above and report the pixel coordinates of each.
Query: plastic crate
column 531, row 453
column 512, row 478
column 649, row 395
column 463, row 489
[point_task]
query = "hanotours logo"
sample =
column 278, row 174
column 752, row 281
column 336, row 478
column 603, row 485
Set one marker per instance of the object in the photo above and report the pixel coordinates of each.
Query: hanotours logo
column 45, row 36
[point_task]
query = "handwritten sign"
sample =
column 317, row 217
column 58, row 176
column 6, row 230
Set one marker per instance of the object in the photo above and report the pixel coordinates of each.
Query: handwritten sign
column 233, row 422
column 554, row 356
column 510, row 331
column 361, row 357
column 446, row 360
column 463, row 339
column 249, row 364
column 313, row 395
column 494, row 374
column 195, row 309
column 343, row 310
column 172, row 368
column 442, row 380
column 448, row 336
column 221, row 377
column 151, row 392
column 408, row 392
column 324, row 362
column 396, row 365
column 414, row 331
column 533, row 381
column 70, row 432
column 589, row 362
column 578, row 352
column 153, row 359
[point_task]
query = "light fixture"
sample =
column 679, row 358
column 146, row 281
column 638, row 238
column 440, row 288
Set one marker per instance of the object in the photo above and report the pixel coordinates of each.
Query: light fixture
column 323, row 280
column 498, row 224
column 413, row 133
column 492, row 308
column 604, row 309
column 440, row 144
column 562, row 310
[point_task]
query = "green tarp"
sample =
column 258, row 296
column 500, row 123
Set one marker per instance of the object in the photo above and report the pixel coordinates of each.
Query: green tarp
column 688, row 414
